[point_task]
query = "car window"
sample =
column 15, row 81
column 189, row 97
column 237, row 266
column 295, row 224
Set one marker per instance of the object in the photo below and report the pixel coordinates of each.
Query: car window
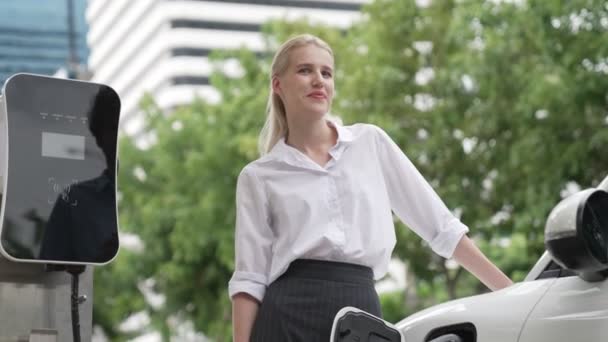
column 553, row 270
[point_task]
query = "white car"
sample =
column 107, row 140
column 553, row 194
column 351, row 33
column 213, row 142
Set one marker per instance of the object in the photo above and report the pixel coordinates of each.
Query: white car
column 563, row 298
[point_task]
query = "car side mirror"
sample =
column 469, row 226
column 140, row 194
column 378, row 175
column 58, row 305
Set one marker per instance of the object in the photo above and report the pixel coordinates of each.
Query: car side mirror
column 576, row 234
column 355, row 325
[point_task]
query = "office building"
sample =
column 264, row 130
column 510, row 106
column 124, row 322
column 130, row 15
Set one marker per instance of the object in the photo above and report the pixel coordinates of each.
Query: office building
column 161, row 46
column 42, row 37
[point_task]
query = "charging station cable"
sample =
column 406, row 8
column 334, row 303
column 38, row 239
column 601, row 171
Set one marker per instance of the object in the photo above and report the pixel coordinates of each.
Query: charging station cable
column 75, row 271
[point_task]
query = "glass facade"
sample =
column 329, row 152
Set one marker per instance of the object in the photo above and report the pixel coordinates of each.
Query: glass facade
column 35, row 36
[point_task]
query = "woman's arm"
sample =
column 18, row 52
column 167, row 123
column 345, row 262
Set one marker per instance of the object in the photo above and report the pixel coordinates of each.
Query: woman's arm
column 417, row 204
column 244, row 311
column 253, row 243
column 473, row 260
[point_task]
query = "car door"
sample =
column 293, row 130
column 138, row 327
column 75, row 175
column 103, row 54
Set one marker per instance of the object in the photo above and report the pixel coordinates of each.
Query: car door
column 571, row 310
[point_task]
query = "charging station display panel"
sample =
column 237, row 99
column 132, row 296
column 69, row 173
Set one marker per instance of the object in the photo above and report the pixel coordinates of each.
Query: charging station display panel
column 59, row 203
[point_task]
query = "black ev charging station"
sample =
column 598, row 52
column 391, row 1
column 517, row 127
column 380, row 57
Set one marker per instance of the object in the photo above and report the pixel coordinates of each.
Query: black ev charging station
column 58, row 213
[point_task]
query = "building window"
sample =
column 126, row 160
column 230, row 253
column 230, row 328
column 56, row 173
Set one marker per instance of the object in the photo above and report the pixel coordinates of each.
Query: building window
column 215, row 25
column 190, row 80
column 331, row 5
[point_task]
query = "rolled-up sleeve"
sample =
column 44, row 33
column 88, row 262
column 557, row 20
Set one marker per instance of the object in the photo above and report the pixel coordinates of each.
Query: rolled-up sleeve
column 415, row 202
column 253, row 238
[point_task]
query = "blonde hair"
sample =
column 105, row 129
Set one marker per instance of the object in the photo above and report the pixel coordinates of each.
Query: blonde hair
column 275, row 126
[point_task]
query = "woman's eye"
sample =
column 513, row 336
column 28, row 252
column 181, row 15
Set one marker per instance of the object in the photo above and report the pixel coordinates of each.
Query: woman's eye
column 327, row 74
column 305, row 70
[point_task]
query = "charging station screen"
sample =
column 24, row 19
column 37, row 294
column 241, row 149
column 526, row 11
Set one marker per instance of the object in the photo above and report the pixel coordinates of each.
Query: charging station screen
column 60, row 195
column 66, row 146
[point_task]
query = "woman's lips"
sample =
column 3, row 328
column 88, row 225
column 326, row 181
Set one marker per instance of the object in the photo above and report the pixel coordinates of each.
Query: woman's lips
column 318, row 95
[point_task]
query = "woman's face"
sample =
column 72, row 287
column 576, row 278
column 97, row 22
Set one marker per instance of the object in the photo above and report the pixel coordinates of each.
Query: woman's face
column 307, row 85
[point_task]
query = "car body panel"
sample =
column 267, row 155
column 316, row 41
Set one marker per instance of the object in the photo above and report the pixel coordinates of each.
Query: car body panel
column 497, row 316
column 572, row 310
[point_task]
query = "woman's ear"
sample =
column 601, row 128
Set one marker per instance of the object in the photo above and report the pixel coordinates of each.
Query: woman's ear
column 276, row 85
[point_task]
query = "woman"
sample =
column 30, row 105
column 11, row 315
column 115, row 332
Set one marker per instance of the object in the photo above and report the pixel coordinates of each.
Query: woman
column 314, row 226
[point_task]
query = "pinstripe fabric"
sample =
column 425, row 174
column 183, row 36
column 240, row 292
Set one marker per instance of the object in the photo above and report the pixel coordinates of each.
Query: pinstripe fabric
column 300, row 306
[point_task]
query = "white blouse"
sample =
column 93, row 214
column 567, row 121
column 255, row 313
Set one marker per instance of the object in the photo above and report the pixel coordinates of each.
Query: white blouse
column 289, row 207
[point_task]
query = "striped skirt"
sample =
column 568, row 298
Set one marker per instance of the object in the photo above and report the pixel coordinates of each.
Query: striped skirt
column 301, row 304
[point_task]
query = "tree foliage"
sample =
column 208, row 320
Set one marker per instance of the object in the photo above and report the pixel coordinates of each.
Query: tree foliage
column 501, row 105
column 498, row 126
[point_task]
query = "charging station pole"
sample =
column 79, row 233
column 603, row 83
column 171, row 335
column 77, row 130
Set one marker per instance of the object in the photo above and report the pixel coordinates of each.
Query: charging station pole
column 35, row 303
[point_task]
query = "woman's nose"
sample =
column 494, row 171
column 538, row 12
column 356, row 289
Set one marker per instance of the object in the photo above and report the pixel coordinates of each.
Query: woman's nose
column 317, row 79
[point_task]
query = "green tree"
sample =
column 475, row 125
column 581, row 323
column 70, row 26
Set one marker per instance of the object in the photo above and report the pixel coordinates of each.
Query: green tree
column 180, row 202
